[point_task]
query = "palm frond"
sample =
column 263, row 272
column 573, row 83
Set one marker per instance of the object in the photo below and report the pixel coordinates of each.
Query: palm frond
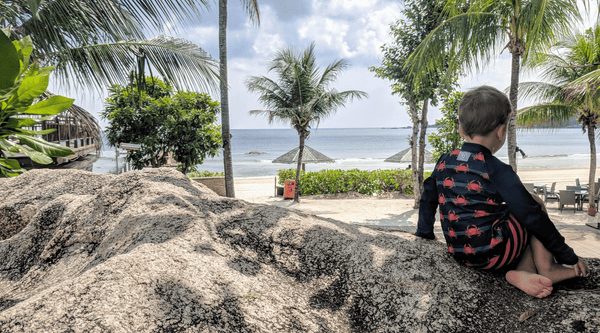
column 546, row 113
column 251, row 7
column 468, row 40
column 177, row 60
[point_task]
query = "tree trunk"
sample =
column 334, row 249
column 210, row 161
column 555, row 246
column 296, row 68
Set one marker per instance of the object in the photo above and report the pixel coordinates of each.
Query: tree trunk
column 227, row 163
column 422, row 135
column 512, row 123
column 414, row 115
column 299, row 167
column 591, row 186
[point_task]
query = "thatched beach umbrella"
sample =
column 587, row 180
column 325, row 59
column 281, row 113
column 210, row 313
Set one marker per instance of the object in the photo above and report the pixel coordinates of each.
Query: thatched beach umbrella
column 309, row 156
column 406, row 156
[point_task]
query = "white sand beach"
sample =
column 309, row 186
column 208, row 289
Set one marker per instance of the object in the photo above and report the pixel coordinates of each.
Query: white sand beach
column 399, row 212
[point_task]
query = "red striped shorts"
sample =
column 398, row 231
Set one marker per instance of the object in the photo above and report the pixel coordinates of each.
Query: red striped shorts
column 516, row 243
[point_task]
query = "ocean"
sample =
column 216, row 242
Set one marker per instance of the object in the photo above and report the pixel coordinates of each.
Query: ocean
column 366, row 148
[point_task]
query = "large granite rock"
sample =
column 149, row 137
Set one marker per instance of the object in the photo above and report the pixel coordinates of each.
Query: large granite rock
column 151, row 252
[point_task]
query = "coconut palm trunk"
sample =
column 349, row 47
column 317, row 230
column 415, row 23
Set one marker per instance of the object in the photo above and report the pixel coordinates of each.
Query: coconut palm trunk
column 591, row 187
column 227, row 161
column 413, row 145
column 422, row 136
column 299, row 167
column 512, row 123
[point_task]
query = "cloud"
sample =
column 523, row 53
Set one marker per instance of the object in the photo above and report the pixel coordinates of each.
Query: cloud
column 343, row 7
column 326, row 32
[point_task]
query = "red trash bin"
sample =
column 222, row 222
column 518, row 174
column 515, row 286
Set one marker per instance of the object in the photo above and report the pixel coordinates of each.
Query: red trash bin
column 289, row 189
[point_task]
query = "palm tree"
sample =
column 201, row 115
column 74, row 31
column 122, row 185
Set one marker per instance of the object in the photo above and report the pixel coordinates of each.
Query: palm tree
column 574, row 57
column 477, row 30
column 302, row 96
column 98, row 42
column 251, row 7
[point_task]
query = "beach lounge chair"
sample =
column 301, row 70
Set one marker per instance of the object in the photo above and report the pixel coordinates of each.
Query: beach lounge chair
column 550, row 195
column 567, row 197
column 529, row 187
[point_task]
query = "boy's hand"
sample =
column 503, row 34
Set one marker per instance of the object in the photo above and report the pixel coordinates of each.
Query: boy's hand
column 581, row 268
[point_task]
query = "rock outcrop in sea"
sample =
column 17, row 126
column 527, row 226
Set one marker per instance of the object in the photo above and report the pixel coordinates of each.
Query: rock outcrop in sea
column 150, row 251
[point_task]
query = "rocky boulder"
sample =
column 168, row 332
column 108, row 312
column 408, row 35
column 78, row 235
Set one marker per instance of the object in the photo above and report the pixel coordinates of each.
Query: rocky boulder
column 150, row 251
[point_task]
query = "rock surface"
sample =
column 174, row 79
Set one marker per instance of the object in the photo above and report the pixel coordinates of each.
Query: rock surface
column 150, row 251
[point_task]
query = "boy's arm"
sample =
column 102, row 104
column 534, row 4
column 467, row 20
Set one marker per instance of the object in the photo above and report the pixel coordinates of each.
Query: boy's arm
column 427, row 208
column 529, row 212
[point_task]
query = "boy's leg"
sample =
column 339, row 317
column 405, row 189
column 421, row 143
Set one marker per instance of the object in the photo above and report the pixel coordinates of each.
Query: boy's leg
column 546, row 266
column 537, row 270
column 544, row 260
column 525, row 275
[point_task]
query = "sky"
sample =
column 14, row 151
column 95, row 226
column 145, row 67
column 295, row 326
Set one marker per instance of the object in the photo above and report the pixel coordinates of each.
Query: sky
column 350, row 29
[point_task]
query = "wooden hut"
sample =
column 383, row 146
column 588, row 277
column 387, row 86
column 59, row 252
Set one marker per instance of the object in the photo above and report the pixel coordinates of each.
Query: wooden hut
column 75, row 128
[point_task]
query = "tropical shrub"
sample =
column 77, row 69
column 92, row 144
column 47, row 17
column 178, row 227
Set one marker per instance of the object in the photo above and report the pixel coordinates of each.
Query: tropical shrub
column 149, row 114
column 328, row 181
column 21, row 83
column 447, row 137
column 205, row 173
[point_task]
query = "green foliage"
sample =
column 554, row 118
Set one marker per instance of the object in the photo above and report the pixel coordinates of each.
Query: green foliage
column 475, row 30
column 95, row 43
column 183, row 123
column 20, row 83
column 422, row 17
column 447, row 138
column 205, row 173
column 341, row 181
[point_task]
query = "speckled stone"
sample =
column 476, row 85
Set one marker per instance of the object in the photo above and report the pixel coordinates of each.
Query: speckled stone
column 150, row 251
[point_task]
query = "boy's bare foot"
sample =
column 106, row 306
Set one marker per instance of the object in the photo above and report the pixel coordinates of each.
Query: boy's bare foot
column 533, row 284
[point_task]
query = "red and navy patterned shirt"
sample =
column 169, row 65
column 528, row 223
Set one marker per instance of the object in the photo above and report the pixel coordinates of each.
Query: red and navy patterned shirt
column 475, row 193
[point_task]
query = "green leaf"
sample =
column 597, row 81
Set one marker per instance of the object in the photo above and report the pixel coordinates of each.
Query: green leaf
column 34, row 6
column 31, row 87
column 43, row 146
column 10, row 164
column 51, row 106
column 6, row 31
column 8, row 146
column 10, row 64
column 30, row 132
column 21, row 122
column 36, row 156
column 26, row 47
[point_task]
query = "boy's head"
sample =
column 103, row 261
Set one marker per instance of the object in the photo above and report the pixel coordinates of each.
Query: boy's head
column 482, row 110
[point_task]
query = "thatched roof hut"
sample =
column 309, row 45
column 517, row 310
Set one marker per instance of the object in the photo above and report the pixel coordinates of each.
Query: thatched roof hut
column 75, row 128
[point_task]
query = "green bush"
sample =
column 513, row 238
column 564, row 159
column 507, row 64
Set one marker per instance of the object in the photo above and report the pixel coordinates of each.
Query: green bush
column 340, row 181
column 206, row 174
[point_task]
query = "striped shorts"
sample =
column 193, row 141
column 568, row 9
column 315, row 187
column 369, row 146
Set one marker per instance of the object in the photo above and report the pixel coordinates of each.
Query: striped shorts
column 515, row 245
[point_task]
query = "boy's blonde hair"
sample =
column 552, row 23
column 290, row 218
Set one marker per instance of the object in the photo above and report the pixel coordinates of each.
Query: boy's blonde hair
column 482, row 110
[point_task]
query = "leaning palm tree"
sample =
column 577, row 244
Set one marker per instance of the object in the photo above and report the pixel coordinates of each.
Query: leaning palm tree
column 98, row 42
column 477, row 30
column 251, row 7
column 574, row 57
column 302, row 96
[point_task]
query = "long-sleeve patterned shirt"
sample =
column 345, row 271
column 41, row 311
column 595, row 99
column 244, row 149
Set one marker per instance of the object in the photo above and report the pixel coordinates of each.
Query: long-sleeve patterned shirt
column 475, row 193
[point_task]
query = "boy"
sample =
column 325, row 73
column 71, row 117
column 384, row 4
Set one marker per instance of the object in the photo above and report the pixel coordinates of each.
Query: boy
column 489, row 219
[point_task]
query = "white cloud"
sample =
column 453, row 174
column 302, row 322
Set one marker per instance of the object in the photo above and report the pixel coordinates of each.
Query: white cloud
column 204, row 35
column 326, row 32
column 267, row 39
column 373, row 30
column 343, row 7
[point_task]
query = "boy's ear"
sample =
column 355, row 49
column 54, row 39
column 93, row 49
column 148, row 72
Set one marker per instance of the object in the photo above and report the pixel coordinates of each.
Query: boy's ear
column 500, row 131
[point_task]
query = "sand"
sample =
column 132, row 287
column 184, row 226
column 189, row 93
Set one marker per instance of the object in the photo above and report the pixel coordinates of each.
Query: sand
column 399, row 213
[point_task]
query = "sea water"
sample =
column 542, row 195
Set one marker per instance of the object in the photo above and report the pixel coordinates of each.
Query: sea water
column 366, row 148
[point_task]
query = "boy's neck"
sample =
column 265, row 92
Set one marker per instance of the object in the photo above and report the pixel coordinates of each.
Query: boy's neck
column 485, row 141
